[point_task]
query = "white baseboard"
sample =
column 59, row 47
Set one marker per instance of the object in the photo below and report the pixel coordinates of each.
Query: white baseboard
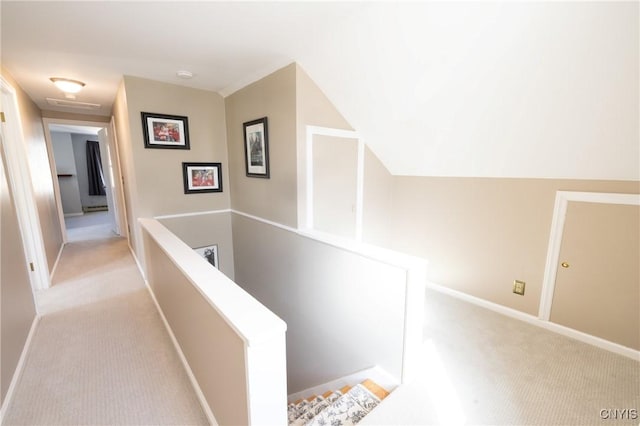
column 18, row 371
column 138, row 264
column 531, row 319
column 185, row 363
column 73, row 214
column 183, row 359
column 377, row 374
column 55, row 264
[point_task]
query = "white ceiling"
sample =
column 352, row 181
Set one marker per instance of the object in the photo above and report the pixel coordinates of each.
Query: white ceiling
column 525, row 89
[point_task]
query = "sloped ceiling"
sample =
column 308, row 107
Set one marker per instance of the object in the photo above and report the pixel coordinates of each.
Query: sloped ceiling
column 544, row 90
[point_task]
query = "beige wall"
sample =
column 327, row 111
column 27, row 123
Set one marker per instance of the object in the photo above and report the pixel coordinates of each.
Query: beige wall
column 17, row 310
column 38, row 157
column 479, row 234
column 74, row 116
column 313, row 108
column 273, row 97
column 377, row 201
column 221, row 373
column 205, row 230
column 333, row 300
column 153, row 177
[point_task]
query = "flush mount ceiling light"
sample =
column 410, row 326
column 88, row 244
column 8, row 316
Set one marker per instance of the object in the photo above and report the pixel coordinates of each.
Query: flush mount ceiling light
column 67, row 85
column 184, row 74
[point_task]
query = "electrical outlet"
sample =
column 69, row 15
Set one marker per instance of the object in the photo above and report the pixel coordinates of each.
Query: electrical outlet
column 518, row 287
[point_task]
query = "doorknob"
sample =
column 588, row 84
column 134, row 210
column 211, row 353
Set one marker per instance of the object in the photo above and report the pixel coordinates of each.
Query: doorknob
column 564, row 264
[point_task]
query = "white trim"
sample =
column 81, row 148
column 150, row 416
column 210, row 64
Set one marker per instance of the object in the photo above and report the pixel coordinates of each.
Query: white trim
column 389, row 257
column 120, row 204
column 19, row 369
column 117, row 199
column 501, row 309
column 360, row 191
column 192, row 378
column 377, row 374
column 138, row 264
column 557, row 230
column 178, row 215
column 268, row 222
column 337, row 133
column 309, row 179
column 231, row 301
column 55, row 264
column 531, row 319
column 19, row 177
column 56, row 183
column 416, row 278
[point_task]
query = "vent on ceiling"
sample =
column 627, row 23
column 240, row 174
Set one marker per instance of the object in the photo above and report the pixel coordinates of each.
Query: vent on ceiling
column 72, row 104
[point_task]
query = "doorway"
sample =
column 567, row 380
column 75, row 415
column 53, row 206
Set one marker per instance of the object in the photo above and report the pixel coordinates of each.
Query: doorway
column 591, row 279
column 86, row 175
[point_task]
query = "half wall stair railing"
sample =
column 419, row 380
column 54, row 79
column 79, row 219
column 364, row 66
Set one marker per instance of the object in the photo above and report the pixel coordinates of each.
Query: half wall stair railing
column 234, row 347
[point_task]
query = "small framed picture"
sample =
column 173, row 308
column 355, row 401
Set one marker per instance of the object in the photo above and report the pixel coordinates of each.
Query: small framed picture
column 202, row 177
column 256, row 148
column 165, row 131
column 210, row 253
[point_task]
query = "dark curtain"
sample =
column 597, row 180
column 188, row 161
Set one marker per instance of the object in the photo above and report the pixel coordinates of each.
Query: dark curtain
column 94, row 169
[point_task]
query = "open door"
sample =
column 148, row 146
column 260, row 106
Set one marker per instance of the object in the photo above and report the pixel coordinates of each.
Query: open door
column 107, row 166
column 116, row 214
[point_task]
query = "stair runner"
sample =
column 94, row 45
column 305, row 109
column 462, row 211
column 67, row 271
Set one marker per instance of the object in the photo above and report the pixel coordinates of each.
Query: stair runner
column 343, row 407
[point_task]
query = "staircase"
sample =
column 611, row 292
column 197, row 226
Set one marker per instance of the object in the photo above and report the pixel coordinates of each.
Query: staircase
column 343, row 407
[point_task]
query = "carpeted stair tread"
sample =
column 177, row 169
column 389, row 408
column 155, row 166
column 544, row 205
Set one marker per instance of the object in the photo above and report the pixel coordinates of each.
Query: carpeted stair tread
column 340, row 408
column 375, row 389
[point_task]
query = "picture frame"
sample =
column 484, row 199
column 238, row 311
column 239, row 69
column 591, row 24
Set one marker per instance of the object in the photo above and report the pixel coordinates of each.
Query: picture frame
column 165, row 131
column 202, row 177
column 256, row 148
column 210, row 254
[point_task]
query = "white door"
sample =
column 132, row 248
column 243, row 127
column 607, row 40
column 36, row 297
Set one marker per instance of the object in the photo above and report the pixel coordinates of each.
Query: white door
column 115, row 180
column 335, row 187
column 108, row 179
column 20, row 180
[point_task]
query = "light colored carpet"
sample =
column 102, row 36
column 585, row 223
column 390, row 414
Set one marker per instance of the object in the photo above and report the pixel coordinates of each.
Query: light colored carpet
column 100, row 354
column 483, row 368
column 89, row 226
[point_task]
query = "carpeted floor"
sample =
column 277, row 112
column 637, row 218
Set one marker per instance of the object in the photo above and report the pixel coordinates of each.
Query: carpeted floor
column 483, row 368
column 100, row 354
column 89, row 226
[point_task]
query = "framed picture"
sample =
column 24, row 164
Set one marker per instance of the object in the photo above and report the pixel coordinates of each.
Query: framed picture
column 256, row 148
column 202, row 177
column 210, row 253
column 165, row 131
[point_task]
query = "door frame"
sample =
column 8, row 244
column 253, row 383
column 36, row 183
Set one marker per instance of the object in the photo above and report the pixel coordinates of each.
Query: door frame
column 19, row 177
column 555, row 238
column 308, row 224
column 118, row 194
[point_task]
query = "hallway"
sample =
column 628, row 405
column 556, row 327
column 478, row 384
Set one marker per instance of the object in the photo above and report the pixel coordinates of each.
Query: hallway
column 100, row 353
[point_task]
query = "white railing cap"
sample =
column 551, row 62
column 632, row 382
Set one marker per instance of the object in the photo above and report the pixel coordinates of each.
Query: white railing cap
column 250, row 319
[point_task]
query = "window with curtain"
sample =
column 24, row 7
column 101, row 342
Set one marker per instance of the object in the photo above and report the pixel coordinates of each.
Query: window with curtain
column 94, row 169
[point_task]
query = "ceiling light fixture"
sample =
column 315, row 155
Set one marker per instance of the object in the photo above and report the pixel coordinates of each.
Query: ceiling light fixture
column 67, row 85
column 184, row 74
